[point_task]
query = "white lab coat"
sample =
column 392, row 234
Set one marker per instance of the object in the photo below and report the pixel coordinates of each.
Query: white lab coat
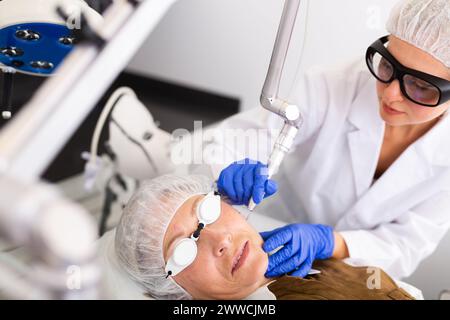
column 393, row 223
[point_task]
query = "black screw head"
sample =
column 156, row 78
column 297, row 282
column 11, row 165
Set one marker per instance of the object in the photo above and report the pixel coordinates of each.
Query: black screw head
column 67, row 40
column 11, row 51
column 28, row 35
column 45, row 65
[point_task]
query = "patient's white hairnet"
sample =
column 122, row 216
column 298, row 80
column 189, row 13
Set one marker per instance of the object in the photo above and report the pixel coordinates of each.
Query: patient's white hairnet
column 140, row 233
column 424, row 24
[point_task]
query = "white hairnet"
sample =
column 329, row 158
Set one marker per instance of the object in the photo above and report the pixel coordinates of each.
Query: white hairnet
column 116, row 283
column 424, row 24
column 141, row 230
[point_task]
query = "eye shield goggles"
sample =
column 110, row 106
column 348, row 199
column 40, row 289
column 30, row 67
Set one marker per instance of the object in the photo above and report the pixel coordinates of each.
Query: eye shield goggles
column 419, row 87
column 185, row 250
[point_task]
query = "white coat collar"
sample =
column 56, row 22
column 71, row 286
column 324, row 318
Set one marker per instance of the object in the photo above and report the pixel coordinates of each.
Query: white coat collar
column 365, row 141
column 414, row 166
column 364, row 111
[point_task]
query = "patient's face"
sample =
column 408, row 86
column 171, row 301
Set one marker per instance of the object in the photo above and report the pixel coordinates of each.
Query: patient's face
column 214, row 273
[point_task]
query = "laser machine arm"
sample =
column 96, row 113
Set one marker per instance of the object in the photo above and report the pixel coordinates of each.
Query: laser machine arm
column 269, row 98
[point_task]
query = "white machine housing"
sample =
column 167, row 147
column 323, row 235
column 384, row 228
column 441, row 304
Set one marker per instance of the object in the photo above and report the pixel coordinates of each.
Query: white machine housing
column 142, row 148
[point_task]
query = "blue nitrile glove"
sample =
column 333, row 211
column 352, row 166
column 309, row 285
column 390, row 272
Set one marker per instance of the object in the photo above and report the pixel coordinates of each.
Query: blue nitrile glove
column 302, row 244
column 245, row 179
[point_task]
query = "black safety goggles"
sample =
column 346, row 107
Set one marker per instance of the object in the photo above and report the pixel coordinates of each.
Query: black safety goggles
column 419, row 87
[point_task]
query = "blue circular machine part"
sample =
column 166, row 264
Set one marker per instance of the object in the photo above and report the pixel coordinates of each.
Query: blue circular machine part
column 36, row 48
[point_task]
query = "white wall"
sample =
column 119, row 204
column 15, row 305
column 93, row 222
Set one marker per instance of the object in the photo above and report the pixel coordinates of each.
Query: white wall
column 224, row 46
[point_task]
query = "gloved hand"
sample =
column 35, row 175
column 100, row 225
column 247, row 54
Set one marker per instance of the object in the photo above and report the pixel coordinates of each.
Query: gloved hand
column 303, row 243
column 244, row 179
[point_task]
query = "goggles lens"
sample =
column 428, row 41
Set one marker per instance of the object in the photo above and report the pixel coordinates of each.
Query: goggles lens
column 421, row 91
column 415, row 89
column 208, row 210
column 185, row 252
column 381, row 68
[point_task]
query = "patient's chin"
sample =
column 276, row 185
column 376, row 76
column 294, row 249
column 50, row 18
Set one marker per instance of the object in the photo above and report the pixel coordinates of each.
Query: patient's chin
column 254, row 281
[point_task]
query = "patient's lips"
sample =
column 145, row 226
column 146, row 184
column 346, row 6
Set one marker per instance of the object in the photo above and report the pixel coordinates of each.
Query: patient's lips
column 240, row 257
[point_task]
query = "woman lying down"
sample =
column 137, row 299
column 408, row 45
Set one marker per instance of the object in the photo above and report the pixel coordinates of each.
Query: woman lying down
column 179, row 240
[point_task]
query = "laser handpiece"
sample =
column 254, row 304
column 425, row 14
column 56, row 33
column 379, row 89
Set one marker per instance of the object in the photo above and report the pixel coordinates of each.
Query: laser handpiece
column 281, row 147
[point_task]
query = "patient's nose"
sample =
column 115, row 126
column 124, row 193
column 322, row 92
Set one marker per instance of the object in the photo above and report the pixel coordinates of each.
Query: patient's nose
column 220, row 241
